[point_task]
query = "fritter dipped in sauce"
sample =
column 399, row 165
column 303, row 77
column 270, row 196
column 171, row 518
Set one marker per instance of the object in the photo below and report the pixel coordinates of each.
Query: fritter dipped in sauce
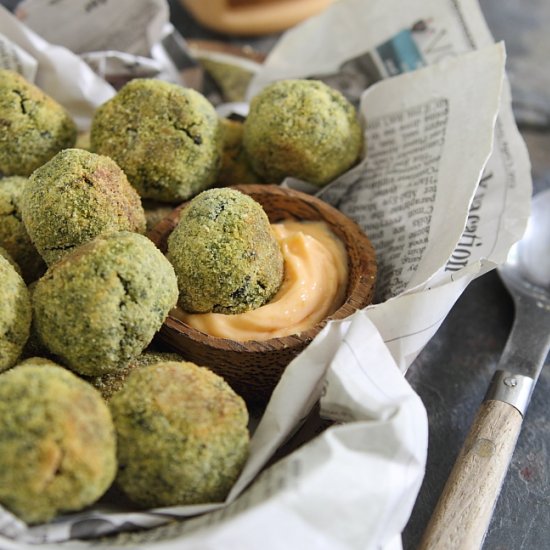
column 224, row 254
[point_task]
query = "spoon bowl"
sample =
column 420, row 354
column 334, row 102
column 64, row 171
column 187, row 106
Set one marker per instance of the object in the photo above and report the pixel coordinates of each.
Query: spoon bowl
column 527, row 267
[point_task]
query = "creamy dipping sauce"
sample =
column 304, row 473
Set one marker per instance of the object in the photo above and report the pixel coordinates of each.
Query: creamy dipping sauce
column 314, row 286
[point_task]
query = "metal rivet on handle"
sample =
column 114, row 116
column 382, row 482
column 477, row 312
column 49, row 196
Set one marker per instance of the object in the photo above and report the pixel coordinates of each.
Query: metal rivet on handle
column 514, row 389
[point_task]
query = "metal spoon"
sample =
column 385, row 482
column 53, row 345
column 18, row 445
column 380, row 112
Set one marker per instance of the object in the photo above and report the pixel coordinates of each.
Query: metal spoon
column 462, row 515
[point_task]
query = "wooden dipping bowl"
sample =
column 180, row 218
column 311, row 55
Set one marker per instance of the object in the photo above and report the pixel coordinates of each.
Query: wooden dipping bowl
column 253, row 368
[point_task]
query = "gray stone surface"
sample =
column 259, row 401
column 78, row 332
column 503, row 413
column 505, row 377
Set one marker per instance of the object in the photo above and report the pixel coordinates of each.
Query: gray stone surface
column 524, row 28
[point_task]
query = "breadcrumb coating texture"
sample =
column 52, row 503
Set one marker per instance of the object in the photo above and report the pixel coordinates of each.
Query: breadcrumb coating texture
column 75, row 197
column 4, row 253
column 182, row 435
column 57, row 439
column 13, row 234
column 34, row 347
column 224, row 253
column 303, row 129
column 101, row 305
column 34, row 127
column 15, row 314
column 108, row 384
column 166, row 138
column 235, row 168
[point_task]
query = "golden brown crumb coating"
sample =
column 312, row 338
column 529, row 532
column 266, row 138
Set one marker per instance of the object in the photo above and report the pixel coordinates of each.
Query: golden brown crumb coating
column 15, row 314
column 303, row 129
column 13, row 233
column 236, row 167
column 57, row 440
column 34, row 127
column 224, row 253
column 166, row 138
column 100, row 306
column 182, row 435
column 108, row 384
column 75, row 197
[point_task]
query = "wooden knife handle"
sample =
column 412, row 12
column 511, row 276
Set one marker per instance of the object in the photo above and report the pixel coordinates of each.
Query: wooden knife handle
column 463, row 512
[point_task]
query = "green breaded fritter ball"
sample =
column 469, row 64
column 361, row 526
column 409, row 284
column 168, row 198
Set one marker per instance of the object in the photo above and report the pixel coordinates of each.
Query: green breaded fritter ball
column 57, row 440
column 101, row 305
column 224, row 253
column 303, row 129
column 13, row 234
column 108, row 384
column 166, row 138
column 182, row 435
column 75, row 197
column 15, row 314
column 34, row 126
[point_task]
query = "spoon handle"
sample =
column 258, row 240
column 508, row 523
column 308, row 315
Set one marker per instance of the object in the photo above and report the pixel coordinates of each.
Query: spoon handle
column 462, row 515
